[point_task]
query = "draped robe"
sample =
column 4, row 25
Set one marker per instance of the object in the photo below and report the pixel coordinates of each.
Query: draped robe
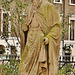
column 38, row 58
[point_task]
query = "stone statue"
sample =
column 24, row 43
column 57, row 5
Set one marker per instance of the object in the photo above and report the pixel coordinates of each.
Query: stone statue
column 40, row 56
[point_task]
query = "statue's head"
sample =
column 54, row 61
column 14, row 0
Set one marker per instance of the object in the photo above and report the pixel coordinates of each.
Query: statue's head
column 37, row 1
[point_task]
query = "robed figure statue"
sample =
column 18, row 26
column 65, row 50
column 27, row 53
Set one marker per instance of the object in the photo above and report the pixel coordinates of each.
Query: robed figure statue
column 41, row 52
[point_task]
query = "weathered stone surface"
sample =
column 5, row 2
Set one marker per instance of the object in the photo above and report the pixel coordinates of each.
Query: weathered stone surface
column 40, row 56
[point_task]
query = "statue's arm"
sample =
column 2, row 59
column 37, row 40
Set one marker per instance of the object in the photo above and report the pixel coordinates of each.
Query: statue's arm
column 55, row 33
column 24, row 27
column 55, row 30
column 24, row 30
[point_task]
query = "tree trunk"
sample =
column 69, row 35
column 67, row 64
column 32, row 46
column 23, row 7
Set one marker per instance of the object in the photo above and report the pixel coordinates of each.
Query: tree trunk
column 1, row 68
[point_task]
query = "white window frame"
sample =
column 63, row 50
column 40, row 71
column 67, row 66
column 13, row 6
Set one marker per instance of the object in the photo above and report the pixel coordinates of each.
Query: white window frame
column 58, row 2
column 9, row 26
column 70, row 3
column 71, row 18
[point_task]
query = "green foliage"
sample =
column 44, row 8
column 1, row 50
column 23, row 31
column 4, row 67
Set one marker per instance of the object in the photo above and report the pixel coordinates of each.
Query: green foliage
column 69, row 15
column 67, row 69
column 11, row 68
column 64, row 32
column 13, row 50
column 17, row 8
column 0, row 66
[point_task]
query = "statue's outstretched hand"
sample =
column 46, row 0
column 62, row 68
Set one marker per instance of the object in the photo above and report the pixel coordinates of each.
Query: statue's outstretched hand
column 45, row 39
column 24, row 27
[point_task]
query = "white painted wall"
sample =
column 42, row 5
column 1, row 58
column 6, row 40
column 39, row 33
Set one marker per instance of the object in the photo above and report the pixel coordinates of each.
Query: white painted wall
column 11, row 42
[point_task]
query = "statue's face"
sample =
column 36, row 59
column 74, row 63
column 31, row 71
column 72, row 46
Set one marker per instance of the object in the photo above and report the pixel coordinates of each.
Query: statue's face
column 34, row 2
column 38, row 0
column 31, row 0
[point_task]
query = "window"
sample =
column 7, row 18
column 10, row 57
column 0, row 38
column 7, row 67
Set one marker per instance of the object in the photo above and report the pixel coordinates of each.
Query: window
column 5, row 24
column 72, row 28
column 72, row 2
column 0, row 22
column 57, row 1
